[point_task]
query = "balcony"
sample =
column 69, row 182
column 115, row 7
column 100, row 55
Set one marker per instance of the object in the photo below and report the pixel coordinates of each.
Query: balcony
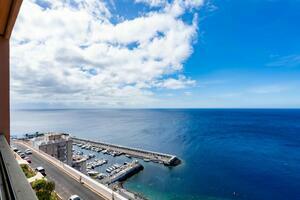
column 13, row 183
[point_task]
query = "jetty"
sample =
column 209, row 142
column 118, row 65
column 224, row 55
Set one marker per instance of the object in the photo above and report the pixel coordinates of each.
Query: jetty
column 123, row 172
column 147, row 156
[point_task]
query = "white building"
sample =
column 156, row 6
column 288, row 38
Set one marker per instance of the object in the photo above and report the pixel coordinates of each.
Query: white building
column 58, row 145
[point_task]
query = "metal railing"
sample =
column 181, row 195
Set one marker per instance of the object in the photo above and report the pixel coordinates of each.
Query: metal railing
column 13, row 183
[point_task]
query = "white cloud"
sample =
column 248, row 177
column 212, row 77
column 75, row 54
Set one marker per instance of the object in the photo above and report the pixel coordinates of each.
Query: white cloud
column 184, row 3
column 153, row 3
column 172, row 83
column 71, row 53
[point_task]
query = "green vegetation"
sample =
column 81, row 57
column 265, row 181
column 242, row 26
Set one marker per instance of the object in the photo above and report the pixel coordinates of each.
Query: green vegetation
column 44, row 189
column 27, row 171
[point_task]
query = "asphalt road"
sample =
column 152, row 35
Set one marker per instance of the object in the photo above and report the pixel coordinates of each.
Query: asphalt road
column 65, row 185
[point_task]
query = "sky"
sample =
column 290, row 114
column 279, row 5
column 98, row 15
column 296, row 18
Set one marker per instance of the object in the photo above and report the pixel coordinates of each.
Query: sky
column 156, row 54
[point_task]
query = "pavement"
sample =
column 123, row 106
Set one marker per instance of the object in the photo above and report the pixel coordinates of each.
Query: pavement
column 65, row 185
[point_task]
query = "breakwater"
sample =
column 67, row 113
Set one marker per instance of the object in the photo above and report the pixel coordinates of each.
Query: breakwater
column 147, row 156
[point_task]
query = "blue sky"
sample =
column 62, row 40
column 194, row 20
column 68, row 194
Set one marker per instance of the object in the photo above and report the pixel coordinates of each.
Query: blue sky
column 247, row 55
column 157, row 53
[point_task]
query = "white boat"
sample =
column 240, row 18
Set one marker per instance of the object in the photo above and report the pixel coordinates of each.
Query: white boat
column 128, row 156
column 92, row 155
column 104, row 151
column 92, row 173
column 104, row 161
column 101, row 176
column 101, row 162
column 146, row 160
column 117, row 166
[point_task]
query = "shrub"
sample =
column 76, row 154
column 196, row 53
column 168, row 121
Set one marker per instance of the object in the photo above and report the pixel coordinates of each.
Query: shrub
column 27, row 171
column 44, row 189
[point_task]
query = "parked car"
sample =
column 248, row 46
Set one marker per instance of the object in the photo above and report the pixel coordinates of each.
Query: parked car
column 74, row 197
column 27, row 159
column 28, row 151
column 41, row 170
column 15, row 149
column 22, row 155
column 19, row 152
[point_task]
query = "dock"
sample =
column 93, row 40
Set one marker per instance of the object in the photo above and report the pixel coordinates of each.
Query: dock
column 123, row 172
column 147, row 156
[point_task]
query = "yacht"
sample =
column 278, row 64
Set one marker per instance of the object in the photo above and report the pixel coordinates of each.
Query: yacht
column 92, row 173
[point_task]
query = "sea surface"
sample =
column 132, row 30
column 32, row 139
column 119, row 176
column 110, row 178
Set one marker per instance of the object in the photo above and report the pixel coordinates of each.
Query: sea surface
column 227, row 153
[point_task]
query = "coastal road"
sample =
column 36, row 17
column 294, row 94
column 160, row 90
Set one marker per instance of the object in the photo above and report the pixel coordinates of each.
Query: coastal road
column 65, row 185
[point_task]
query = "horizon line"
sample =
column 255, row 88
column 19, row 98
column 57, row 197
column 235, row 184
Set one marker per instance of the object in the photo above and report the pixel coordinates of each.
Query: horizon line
column 166, row 108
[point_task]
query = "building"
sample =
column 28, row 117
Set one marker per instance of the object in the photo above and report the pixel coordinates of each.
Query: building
column 58, row 145
column 79, row 163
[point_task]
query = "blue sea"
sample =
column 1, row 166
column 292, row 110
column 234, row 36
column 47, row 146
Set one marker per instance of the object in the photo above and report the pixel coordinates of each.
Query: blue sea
column 227, row 153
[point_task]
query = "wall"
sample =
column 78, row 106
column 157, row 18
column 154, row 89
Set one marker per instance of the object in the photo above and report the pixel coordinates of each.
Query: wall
column 4, row 88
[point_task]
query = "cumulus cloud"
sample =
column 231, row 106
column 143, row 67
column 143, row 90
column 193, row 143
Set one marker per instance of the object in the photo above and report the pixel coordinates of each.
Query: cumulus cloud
column 172, row 83
column 70, row 52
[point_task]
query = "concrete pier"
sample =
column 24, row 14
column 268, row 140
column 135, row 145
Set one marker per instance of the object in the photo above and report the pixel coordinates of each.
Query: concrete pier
column 124, row 172
column 166, row 159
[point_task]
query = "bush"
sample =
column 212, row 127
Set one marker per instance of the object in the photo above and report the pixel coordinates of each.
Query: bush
column 27, row 171
column 44, row 189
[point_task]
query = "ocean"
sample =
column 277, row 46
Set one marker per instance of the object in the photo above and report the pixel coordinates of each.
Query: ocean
column 227, row 153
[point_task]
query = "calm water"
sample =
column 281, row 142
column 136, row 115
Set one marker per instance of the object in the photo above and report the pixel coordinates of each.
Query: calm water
column 227, row 154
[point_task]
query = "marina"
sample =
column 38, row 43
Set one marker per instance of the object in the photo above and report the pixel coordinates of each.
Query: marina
column 96, row 163
column 105, row 171
column 106, row 168
column 117, row 150
column 121, row 173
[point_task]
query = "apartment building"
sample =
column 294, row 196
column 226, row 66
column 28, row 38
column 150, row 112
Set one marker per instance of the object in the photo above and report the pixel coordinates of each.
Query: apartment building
column 58, row 145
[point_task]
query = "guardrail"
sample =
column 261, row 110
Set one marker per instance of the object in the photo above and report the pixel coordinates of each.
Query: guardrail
column 13, row 183
column 92, row 184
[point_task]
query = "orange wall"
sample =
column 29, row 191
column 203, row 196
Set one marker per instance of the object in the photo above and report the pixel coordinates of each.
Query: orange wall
column 4, row 88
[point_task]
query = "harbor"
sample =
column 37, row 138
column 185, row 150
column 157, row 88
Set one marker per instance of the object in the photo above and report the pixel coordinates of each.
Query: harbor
column 107, row 164
column 117, row 150
column 121, row 173
column 107, row 167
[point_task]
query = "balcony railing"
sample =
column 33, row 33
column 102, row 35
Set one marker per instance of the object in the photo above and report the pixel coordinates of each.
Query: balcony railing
column 13, row 183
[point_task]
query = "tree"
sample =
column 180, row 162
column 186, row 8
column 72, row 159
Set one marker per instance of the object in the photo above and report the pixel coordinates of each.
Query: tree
column 43, row 189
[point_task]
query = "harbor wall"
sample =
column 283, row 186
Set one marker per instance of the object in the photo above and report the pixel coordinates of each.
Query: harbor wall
column 166, row 159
